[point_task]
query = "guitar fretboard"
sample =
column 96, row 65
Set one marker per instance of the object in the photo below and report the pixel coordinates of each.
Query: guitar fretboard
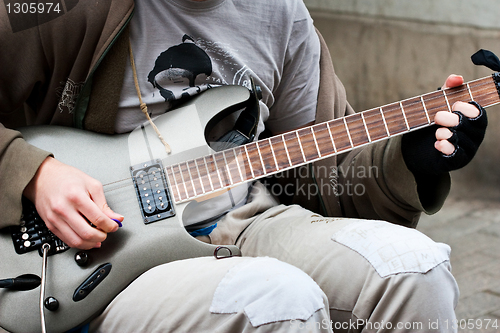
column 224, row 169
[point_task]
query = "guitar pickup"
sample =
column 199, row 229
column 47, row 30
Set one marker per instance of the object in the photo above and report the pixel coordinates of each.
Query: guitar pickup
column 152, row 191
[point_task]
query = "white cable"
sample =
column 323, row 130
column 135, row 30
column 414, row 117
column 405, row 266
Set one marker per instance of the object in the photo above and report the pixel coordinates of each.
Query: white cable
column 45, row 249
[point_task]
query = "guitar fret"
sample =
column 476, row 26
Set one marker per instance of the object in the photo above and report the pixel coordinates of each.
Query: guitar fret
column 385, row 123
column 217, row 180
column 357, row 129
column 425, row 109
column 191, row 179
column 199, row 177
column 485, row 90
column 315, row 142
column 244, row 164
column 278, row 147
column 435, row 102
column 447, row 102
column 374, row 124
column 404, row 115
column 274, row 156
column 255, row 156
column 341, row 134
column 300, row 145
column 227, row 167
column 238, row 164
column 261, row 160
column 208, row 174
column 470, row 92
column 331, row 137
column 173, row 183
column 323, row 140
column 221, row 165
column 216, row 170
column 176, row 183
column 286, row 149
column 203, row 172
column 266, row 154
column 306, row 137
column 231, row 162
column 218, row 174
column 294, row 148
column 348, row 134
column 366, row 127
column 249, row 161
column 183, row 181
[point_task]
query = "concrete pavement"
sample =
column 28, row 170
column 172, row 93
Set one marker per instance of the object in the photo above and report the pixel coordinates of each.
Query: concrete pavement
column 470, row 224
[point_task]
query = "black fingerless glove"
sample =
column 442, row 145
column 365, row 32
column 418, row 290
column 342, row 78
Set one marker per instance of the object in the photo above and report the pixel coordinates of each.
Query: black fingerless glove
column 422, row 158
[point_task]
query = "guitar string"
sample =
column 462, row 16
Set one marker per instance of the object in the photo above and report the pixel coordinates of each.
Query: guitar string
column 309, row 145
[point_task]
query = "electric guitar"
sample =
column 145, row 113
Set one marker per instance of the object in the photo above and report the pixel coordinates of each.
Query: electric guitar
column 152, row 188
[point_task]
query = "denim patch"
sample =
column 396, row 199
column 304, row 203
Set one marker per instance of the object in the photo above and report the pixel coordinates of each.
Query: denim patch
column 392, row 249
column 268, row 291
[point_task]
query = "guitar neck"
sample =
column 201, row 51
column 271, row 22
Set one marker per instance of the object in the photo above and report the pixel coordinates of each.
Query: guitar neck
column 224, row 169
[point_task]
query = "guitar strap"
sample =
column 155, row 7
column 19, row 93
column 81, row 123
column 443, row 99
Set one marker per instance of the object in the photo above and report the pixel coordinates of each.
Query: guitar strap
column 143, row 106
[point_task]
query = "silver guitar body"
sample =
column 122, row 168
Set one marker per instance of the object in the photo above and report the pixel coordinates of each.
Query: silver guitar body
column 134, row 248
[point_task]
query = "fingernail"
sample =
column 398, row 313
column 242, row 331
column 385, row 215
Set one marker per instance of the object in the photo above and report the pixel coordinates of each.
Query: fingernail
column 119, row 223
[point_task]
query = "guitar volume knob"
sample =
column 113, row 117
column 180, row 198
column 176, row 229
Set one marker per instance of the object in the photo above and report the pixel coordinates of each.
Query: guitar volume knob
column 82, row 258
column 51, row 303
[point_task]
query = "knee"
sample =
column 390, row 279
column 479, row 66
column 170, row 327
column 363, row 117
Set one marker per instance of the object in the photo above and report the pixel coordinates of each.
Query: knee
column 392, row 249
column 268, row 291
column 436, row 287
column 405, row 262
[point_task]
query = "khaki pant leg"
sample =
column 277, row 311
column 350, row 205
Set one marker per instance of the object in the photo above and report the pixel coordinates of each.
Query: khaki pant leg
column 403, row 294
column 180, row 297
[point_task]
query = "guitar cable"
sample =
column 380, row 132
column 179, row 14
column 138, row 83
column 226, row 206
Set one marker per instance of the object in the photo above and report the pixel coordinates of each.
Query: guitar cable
column 45, row 249
column 22, row 282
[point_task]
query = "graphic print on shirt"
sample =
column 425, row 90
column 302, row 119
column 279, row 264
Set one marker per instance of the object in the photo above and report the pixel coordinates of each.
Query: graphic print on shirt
column 177, row 66
column 187, row 69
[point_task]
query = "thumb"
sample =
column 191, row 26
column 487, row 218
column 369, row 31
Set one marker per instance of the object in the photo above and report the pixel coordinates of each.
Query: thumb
column 111, row 214
column 100, row 200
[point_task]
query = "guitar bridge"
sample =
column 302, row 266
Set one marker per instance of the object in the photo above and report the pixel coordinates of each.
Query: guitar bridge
column 152, row 191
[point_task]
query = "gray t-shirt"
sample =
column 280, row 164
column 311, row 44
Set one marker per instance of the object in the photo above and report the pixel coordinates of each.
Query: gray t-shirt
column 183, row 47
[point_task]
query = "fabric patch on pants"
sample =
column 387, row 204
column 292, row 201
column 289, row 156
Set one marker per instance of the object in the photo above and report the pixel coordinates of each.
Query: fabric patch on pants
column 267, row 290
column 392, row 249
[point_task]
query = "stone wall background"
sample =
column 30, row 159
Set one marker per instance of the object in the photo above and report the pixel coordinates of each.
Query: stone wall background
column 388, row 50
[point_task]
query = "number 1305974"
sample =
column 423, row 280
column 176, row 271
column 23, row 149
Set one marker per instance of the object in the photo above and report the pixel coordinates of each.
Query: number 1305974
column 33, row 7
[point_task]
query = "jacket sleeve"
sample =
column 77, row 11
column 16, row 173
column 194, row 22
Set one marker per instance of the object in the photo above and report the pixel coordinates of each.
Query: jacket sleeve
column 374, row 183
column 21, row 76
column 19, row 162
column 46, row 59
